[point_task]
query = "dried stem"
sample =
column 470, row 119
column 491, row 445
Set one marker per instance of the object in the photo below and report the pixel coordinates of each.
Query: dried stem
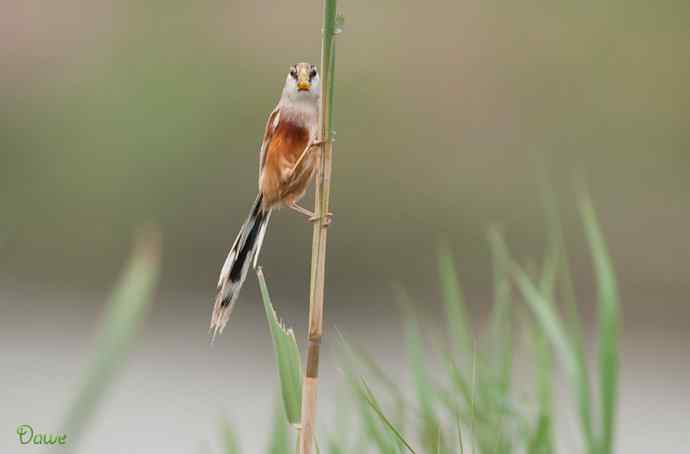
column 318, row 256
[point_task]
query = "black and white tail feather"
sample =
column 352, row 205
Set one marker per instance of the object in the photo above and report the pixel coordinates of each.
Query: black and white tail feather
column 245, row 250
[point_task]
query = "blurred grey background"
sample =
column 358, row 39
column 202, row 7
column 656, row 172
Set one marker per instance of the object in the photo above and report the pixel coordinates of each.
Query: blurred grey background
column 448, row 116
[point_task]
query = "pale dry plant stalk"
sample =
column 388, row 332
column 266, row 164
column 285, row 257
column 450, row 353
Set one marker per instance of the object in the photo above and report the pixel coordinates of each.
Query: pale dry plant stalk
column 318, row 256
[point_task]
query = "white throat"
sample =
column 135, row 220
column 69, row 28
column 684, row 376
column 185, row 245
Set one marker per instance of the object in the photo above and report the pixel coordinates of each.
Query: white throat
column 301, row 109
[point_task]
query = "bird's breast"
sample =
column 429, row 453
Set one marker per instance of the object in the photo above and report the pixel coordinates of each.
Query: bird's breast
column 278, row 181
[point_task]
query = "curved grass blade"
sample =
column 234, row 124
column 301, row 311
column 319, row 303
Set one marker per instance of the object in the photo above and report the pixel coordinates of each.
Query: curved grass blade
column 127, row 307
column 554, row 330
column 286, row 355
column 356, row 355
column 608, row 324
column 372, row 431
column 461, row 447
column 541, row 439
column 459, row 327
column 501, row 321
column 374, row 405
column 426, row 395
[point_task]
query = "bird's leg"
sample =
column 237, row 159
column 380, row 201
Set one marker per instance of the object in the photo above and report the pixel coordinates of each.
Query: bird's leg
column 312, row 217
column 301, row 210
column 328, row 217
column 314, row 144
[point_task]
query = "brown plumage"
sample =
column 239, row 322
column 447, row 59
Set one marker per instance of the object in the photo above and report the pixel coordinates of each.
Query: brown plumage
column 278, row 182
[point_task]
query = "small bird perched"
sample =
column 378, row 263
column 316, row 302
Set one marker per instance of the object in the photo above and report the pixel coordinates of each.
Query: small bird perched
column 286, row 166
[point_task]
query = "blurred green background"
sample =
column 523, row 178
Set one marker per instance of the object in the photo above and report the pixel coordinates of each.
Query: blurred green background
column 114, row 114
column 448, row 117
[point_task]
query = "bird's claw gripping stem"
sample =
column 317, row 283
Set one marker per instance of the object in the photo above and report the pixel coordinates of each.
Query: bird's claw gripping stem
column 327, row 219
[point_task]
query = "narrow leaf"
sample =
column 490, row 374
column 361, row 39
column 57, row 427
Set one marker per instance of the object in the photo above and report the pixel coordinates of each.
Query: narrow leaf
column 459, row 327
column 371, row 400
column 126, row 310
column 608, row 324
column 555, row 331
column 425, row 391
column 287, row 357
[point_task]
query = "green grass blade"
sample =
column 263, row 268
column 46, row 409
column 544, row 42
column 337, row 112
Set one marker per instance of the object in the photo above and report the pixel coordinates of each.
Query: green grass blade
column 549, row 276
column 473, row 399
column 374, row 405
column 357, row 355
column 558, row 246
column 459, row 327
column 541, row 439
column 608, row 324
column 286, row 355
column 370, row 425
column 423, row 385
column 554, row 330
column 280, row 438
column 554, row 232
column 574, row 323
column 127, row 307
column 461, row 447
column 501, row 322
column 460, row 383
column 439, row 441
column 547, row 318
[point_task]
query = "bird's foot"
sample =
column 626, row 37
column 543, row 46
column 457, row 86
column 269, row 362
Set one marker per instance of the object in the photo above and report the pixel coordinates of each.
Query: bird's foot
column 327, row 219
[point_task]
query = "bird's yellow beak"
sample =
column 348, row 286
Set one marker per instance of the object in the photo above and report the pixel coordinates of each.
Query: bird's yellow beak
column 303, row 85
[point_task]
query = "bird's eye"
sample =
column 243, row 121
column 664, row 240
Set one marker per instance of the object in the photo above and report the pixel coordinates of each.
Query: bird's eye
column 293, row 73
column 312, row 74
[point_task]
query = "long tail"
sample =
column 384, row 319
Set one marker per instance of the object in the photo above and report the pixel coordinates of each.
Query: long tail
column 245, row 249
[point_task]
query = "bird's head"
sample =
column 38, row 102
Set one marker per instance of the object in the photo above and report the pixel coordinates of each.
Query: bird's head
column 302, row 82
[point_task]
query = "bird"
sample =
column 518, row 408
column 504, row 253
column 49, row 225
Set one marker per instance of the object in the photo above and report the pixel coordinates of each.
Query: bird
column 286, row 167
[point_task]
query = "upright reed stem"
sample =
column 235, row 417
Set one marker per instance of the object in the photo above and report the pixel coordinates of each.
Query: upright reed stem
column 318, row 253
